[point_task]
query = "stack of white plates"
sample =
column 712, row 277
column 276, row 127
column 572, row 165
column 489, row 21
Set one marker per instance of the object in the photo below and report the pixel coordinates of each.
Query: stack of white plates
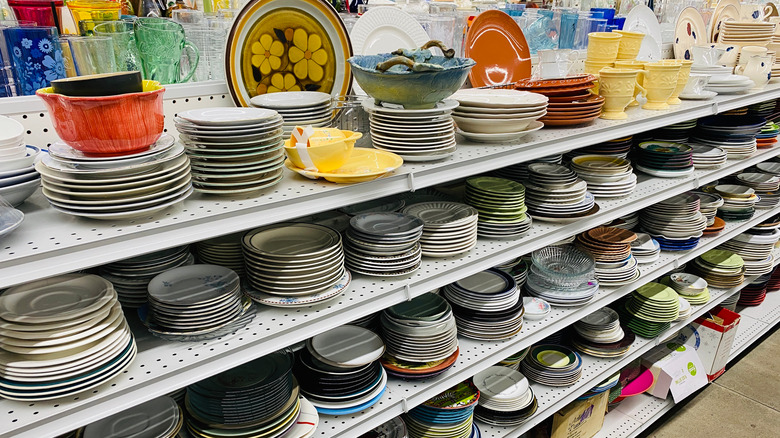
column 18, row 178
column 766, row 187
column 607, row 176
column 113, row 188
column 293, row 264
column 555, row 193
column 298, row 108
column 196, row 300
column 706, row 157
column 686, row 310
column 501, row 206
column 519, row 172
column 67, row 334
column 233, row 150
column 131, row 277
column 505, row 397
column 714, row 71
column 645, row 249
column 675, row 219
column 414, row 134
column 730, row 84
column 224, row 251
column 450, row 227
column 495, row 115
column 708, row 205
column 746, row 33
column 755, row 248
column 160, row 417
column 600, row 335
column 384, row 244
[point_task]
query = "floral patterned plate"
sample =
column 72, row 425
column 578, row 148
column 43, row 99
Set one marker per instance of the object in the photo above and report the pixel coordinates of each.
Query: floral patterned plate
column 689, row 31
column 287, row 45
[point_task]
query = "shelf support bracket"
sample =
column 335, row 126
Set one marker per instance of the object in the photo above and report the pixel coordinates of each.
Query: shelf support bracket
column 408, row 292
column 410, row 178
column 715, row 107
column 696, row 183
column 404, row 405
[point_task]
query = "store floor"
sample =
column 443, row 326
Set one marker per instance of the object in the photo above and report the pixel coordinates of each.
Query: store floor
column 743, row 402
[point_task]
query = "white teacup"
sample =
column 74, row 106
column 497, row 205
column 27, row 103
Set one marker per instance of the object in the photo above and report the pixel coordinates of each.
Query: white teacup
column 696, row 84
column 707, row 54
column 556, row 63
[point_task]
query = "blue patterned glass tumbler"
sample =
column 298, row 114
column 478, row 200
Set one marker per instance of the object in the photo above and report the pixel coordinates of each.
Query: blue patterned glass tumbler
column 568, row 30
column 36, row 57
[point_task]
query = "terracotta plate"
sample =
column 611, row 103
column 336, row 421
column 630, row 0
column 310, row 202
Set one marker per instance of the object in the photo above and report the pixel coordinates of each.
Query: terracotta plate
column 496, row 42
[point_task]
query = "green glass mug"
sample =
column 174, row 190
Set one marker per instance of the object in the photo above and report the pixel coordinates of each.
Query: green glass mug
column 160, row 44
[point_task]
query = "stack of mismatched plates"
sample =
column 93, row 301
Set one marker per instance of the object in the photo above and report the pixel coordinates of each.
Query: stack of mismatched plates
column 562, row 275
column 294, row 264
column 339, row 370
column 709, row 203
column 754, row 293
column 131, row 277
column 645, row 249
column 720, row 268
column 554, row 193
column 692, row 288
column 600, row 335
column 519, row 172
column 738, row 201
column 607, row 176
column 160, row 417
column 676, row 223
column 552, row 365
column 450, row 227
column 447, row 415
column 66, row 334
column 755, row 249
column 651, row 308
column 196, row 301
column 766, row 186
column 413, row 134
column 664, row 159
column 734, row 134
column 18, row 177
column 233, row 150
column 729, row 84
column 298, row 108
column 517, row 268
column 768, row 135
column 707, row 156
column 501, row 206
column 611, row 248
column 384, row 244
column 495, row 115
column 487, row 305
column 421, row 337
column 116, row 188
column 259, row 398
column 619, row 148
column 514, row 360
column 224, row 251
column 505, row 397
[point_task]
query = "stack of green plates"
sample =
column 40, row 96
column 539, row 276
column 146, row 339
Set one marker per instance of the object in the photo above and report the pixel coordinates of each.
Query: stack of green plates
column 501, row 206
column 651, row 308
column 721, row 268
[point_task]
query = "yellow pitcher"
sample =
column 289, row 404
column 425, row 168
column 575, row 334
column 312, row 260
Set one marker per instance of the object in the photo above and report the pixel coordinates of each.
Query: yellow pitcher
column 660, row 81
column 617, row 86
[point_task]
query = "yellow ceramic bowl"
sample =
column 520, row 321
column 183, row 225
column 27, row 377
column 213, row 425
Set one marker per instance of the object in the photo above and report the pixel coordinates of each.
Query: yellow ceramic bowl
column 323, row 158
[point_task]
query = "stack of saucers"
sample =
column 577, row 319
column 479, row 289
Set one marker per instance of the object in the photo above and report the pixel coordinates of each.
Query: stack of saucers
column 160, row 417
column 196, row 300
column 600, row 335
column 555, row 193
column 450, row 227
column 552, row 365
column 734, row 134
column 505, row 397
column 690, row 287
column 297, row 262
column 233, row 150
column 754, row 293
column 494, row 115
column 447, row 415
column 339, row 370
column 421, row 337
column 249, row 400
column 720, row 268
column 224, row 251
column 562, row 275
column 514, row 360
column 664, row 159
column 487, row 305
column 384, row 244
column 607, row 176
column 676, row 223
column 755, row 249
column 115, row 187
column 766, row 187
column 709, row 203
column 519, row 172
column 645, row 249
column 18, row 177
column 517, row 268
column 611, row 248
column 131, row 277
column 738, row 201
column 66, row 334
column 729, row 84
column 298, row 108
column 707, row 157
column 501, row 206
column 570, row 101
column 651, row 308
column 414, row 134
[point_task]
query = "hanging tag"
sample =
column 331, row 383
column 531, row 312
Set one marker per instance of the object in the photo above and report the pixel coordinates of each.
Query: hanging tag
column 300, row 136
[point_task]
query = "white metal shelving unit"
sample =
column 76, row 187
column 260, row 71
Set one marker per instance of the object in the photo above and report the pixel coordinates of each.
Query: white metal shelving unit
column 49, row 243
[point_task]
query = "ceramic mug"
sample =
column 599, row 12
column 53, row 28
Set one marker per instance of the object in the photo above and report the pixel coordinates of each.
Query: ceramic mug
column 161, row 44
column 603, row 46
column 617, row 86
column 123, row 39
column 593, row 68
column 707, row 54
column 747, row 52
column 682, row 78
column 758, row 68
column 629, row 45
column 633, row 65
column 696, row 84
column 660, row 81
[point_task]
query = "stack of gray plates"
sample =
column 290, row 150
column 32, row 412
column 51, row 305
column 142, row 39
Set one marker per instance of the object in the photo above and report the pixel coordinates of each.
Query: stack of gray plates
column 384, row 244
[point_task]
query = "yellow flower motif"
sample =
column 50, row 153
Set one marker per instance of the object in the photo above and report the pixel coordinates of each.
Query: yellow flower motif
column 308, row 56
column 267, row 53
column 283, row 82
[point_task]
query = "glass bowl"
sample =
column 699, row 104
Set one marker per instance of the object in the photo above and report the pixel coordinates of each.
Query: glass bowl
column 563, row 262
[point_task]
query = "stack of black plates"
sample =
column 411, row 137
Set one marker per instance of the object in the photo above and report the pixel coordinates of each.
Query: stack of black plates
column 384, row 244
column 505, row 397
column 487, row 305
column 552, row 365
column 676, row 133
column 339, row 370
column 600, row 334
column 256, row 399
column 664, row 159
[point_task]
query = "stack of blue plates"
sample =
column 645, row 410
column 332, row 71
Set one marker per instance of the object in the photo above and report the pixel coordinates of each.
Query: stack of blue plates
column 734, row 134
